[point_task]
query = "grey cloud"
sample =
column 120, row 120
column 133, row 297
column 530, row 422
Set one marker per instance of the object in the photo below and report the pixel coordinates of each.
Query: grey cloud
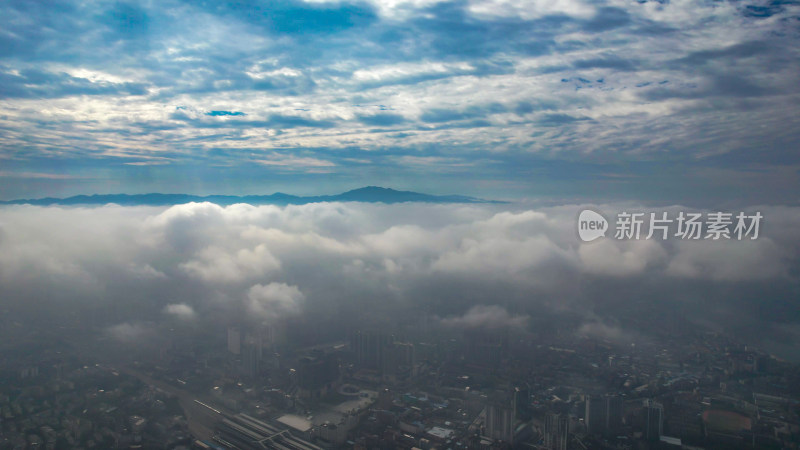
column 607, row 18
column 437, row 115
column 609, row 62
column 131, row 333
column 382, row 120
column 487, row 317
column 33, row 83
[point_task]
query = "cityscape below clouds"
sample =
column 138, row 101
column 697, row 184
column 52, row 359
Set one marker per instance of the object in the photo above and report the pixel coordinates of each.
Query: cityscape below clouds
column 425, row 224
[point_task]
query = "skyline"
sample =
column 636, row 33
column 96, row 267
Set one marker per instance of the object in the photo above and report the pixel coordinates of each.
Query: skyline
column 673, row 102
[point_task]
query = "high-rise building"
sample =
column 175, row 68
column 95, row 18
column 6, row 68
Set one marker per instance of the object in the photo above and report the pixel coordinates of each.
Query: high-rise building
column 522, row 402
column 234, row 340
column 372, row 349
column 316, row 375
column 396, row 356
column 556, row 431
column 595, row 416
column 501, row 417
column 251, row 356
column 603, row 414
column 615, row 407
column 485, row 348
column 654, row 420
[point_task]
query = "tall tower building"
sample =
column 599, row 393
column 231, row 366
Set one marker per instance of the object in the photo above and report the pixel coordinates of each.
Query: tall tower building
column 372, row 349
column 234, row 340
column 556, row 431
column 603, row 414
column 522, row 402
column 251, row 356
column 615, row 407
column 654, row 420
column 501, row 417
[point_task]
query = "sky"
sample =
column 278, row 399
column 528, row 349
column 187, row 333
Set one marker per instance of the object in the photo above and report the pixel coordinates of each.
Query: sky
column 668, row 102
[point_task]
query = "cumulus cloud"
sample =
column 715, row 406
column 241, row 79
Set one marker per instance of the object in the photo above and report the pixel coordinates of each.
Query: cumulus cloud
column 215, row 264
column 750, row 260
column 181, row 311
column 620, row 259
column 267, row 263
column 273, row 301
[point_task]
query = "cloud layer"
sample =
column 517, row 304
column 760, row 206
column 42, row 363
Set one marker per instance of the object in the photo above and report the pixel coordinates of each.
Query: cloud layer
column 471, row 265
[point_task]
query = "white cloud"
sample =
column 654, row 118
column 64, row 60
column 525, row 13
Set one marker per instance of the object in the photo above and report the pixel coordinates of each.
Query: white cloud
column 606, row 257
column 269, row 261
column 532, row 9
column 760, row 259
column 181, row 311
column 215, row 264
column 273, row 301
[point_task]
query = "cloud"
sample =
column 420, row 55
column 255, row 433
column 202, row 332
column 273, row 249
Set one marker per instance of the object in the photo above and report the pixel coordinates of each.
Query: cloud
column 752, row 260
column 130, row 333
column 613, row 259
column 33, row 83
column 293, row 162
column 93, row 90
column 273, row 301
column 48, row 176
column 603, row 331
column 181, row 311
column 382, row 119
column 487, row 317
column 215, row 264
column 472, row 265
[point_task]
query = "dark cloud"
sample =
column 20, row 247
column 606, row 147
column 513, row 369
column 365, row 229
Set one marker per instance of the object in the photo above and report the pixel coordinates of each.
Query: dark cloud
column 448, row 115
column 606, row 19
column 610, row 62
column 727, row 86
column 763, row 11
column 382, row 120
column 729, row 53
column 271, row 121
column 554, row 120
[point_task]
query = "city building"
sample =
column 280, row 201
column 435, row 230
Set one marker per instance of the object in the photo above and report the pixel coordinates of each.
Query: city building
column 556, row 431
column 654, row 420
column 603, row 414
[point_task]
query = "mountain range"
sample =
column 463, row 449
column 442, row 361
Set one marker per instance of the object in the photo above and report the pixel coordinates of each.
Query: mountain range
column 370, row 194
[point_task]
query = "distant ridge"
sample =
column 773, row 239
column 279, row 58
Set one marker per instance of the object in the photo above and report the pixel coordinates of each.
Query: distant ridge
column 369, row 194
